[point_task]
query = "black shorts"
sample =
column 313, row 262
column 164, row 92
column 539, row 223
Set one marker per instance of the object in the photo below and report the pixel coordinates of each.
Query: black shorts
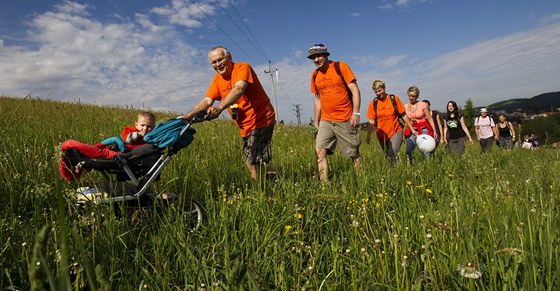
column 257, row 146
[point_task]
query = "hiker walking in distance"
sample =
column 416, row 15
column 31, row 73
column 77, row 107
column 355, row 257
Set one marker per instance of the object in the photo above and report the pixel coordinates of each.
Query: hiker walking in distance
column 387, row 114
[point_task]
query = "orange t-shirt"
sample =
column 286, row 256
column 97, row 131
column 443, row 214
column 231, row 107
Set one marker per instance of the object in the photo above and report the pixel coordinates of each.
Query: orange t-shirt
column 335, row 101
column 387, row 118
column 254, row 107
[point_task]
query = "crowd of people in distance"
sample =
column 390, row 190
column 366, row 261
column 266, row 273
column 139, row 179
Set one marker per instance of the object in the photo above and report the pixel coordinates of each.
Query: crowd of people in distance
column 530, row 142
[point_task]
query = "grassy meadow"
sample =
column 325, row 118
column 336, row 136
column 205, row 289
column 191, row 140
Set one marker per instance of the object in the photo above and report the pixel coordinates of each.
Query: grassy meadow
column 487, row 222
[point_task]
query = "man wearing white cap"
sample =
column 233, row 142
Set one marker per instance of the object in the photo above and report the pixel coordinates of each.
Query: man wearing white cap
column 485, row 130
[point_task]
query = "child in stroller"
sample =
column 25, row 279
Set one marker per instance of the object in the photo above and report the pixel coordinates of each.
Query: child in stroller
column 133, row 135
column 128, row 176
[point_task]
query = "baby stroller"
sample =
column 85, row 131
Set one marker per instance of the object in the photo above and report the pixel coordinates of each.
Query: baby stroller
column 128, row 176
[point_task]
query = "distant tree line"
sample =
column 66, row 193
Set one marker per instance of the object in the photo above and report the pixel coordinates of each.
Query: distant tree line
column 544, row 102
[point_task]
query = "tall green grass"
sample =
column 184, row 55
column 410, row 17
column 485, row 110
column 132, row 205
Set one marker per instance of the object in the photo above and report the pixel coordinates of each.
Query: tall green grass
column 472, row 222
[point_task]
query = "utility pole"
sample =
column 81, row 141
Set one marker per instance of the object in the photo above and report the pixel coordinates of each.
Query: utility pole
column 269, row 71
column 298, row 113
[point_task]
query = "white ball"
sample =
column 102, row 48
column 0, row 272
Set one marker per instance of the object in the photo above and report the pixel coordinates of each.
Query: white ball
column 425, row 143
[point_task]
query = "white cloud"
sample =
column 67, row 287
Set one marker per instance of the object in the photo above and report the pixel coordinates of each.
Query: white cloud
column 77, row 56
column 376, row 61
column 185, row 13
column 73, row 8
column 520, row 65
column 398, row 4
column 392, row 61
column 145, row 62
column 402, row 3
column 550, row 19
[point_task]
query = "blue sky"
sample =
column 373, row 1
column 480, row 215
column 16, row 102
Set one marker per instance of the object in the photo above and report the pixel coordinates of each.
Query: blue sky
column 153, row 54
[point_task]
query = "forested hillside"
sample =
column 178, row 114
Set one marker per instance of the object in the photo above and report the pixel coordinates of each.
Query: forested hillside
column 543, row 102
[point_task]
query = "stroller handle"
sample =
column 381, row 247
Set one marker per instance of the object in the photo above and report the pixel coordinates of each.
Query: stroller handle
column 200, row 117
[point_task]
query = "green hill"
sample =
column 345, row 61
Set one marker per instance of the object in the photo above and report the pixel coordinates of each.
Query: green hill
column 543, row 102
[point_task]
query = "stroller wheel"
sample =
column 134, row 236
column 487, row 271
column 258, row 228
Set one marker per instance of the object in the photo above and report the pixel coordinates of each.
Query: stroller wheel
column 192, row 213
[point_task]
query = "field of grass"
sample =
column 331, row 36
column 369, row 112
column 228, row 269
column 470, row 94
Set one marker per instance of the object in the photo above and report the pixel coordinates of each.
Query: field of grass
column 472, row 222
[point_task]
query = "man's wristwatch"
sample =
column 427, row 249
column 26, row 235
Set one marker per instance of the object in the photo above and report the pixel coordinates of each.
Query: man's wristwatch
column 356, row 113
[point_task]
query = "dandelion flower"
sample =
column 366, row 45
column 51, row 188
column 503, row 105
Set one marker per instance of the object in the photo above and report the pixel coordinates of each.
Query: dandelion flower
column 298, row 215
column 287, row 228
column 408, row 182
column 405, row 261
column 429, row 191
column 469, row 271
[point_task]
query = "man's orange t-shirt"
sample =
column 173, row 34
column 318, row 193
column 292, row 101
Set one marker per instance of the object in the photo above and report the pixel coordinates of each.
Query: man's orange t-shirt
column 387, row 118
column 254, row 107
column 336, row 104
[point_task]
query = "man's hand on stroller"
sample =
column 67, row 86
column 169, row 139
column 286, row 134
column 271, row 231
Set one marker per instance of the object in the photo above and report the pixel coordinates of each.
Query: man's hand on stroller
column 213, row 112
column 196, row 117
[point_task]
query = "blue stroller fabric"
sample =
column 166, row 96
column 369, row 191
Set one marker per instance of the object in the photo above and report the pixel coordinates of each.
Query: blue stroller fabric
column 167, row 134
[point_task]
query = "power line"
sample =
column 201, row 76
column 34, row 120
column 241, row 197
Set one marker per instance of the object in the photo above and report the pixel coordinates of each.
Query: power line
column 283, row 90
column 269, row 71
column 215, row 24
column 258, row 46
column 298, row 113
column 252, row 40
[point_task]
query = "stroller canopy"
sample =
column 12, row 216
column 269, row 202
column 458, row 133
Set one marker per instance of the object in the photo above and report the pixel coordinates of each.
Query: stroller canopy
column 168, row 133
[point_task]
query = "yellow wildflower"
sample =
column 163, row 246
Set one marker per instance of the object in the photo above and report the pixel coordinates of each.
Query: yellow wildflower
column 287, row 228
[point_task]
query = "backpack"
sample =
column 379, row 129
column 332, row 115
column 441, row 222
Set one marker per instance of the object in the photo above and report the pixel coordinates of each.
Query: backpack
column 492, row 123
column 339, row 72
column 392, row 97
column 435, row 115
